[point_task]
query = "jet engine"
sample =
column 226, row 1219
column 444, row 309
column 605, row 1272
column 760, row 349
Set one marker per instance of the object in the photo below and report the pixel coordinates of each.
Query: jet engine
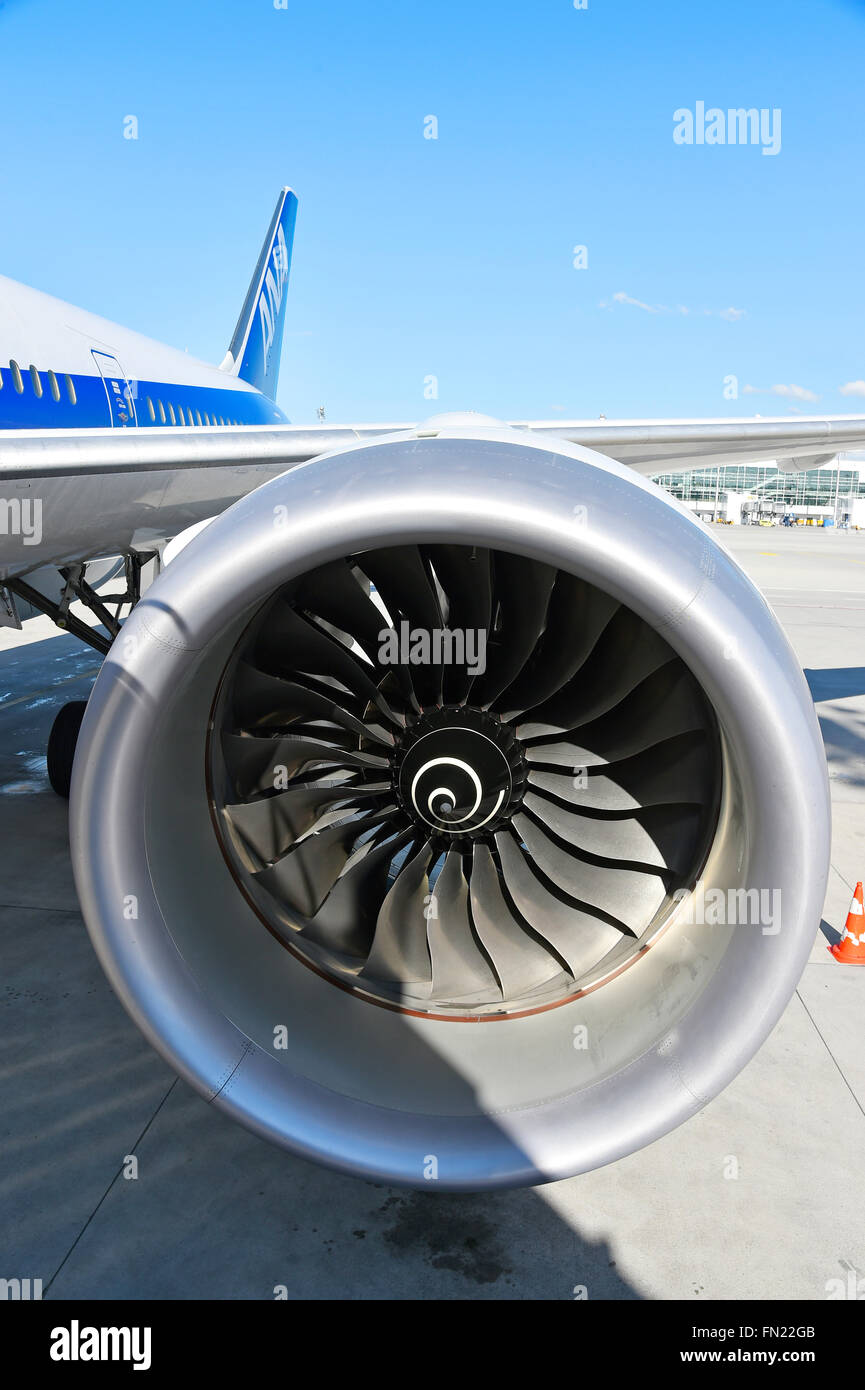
column 453, row 811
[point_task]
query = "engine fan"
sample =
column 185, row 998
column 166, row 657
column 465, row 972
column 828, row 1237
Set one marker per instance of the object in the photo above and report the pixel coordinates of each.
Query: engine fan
column 455, row 843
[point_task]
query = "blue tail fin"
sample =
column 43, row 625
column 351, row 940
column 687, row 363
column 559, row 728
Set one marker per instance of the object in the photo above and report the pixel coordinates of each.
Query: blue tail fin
column 257, row 343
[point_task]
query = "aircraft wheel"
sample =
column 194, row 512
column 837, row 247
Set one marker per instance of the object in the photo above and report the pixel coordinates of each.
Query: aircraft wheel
column 61, row 745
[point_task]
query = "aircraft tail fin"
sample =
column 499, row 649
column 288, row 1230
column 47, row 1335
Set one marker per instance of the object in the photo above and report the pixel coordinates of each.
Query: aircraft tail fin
column 257, row 343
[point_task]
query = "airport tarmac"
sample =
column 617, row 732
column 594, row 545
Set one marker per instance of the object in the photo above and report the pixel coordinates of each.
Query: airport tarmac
column 756, row 1197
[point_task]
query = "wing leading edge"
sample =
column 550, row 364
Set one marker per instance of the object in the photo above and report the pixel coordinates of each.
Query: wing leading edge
column 101, row 492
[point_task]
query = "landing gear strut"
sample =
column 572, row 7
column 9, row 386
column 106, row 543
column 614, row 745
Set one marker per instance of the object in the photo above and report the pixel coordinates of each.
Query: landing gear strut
column 64, row 731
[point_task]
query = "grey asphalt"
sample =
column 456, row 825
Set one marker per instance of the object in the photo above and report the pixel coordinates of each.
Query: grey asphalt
column 756, row 1197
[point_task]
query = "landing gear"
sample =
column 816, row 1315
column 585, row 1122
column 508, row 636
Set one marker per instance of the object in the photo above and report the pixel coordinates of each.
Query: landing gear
column 75, row 588
column 55, row 599
column 61, row 745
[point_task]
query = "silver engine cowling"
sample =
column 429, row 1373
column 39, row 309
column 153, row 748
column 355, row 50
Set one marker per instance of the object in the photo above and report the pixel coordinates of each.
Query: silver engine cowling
column 453, row 810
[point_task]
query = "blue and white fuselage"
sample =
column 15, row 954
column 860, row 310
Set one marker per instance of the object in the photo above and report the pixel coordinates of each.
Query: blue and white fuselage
column 64, row 368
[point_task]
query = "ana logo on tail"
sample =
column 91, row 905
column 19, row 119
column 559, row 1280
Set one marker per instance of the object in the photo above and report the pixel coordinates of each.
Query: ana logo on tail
column 271, row 293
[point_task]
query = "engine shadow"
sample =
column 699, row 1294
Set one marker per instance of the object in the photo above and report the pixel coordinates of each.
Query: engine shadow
column 831, row 934
column 842, row 727
column 218, row 1214
column 215, row 1212
column 835, row 682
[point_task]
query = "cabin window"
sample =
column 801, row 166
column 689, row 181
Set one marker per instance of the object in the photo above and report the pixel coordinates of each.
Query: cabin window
column 37, row 382
column 55, row 389
column 161, row 412
column 16, row 376
column 198, row 417
column 70, row 389
column 171, row 413
column 150, row 411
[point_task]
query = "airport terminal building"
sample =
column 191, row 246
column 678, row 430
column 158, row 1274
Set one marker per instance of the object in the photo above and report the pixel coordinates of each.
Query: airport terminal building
column 831, row 495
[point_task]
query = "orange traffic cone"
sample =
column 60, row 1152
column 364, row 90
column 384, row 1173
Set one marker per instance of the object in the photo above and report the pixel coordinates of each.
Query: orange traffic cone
column 850, row 950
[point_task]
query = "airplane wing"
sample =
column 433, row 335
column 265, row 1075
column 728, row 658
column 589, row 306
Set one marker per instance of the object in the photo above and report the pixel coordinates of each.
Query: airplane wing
column 668, row 446
column 650, row 447
column 89, row 493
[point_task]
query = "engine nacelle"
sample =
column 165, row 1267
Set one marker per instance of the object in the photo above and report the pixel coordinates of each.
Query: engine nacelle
column 453, row 807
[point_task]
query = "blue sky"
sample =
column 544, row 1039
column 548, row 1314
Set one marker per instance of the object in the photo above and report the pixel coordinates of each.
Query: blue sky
column 453, row 257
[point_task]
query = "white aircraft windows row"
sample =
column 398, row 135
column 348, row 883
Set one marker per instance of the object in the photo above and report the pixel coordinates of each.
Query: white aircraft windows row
column 36, row 382
column 180, row 415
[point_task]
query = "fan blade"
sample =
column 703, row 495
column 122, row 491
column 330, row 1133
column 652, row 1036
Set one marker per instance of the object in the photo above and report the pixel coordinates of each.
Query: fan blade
column 663, row 706
column 619, row 840
column 520, row 962
column 465, row 575
column 346, row 919
column 270, row 825
column 333, row 593
column 288, row 643
column 667, row 835
column 254, row 764
column 399, row 574
column 459, row 967
column 577, row 615
column 575, row 934
column 522, row 591
column 630, row 895
column 627, row 652
column 399, row 949
column 675, row 772
column 261, row 699
column 305, row 875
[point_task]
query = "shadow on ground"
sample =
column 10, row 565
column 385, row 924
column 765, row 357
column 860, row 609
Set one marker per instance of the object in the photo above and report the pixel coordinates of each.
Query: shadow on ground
column 836, row 683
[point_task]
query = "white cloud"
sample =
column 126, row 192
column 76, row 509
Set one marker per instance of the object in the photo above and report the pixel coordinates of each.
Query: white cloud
column 621, row 298
column 731, row 315
column 852, row 388
column 791, row 392
column 795, row 393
